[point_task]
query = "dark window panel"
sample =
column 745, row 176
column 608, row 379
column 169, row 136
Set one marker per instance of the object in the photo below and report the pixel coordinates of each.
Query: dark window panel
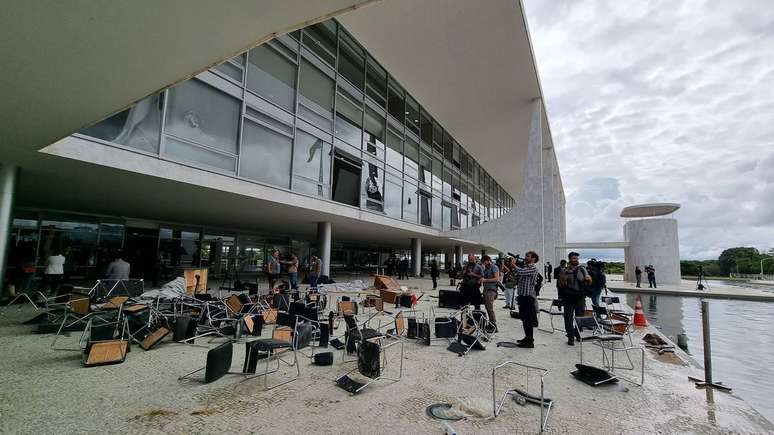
column 321, row 39
column 351, row 61
column 376, row 83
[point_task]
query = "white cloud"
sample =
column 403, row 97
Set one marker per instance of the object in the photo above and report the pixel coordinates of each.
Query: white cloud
column 665, row 101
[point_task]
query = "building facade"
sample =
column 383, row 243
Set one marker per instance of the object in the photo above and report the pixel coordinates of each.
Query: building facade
column 306, row 143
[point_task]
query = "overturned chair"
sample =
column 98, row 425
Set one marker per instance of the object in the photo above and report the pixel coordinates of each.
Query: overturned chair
column 522, row 396
column 284, row 341
column 372, row 363
column 613, row 343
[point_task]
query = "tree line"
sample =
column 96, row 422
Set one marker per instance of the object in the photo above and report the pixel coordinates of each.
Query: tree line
column 736, row 260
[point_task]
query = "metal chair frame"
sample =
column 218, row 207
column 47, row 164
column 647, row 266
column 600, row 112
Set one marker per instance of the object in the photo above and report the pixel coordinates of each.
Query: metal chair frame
column 79, row 317
column 545, row 411
column 551, row 314
column 383, row 347
column 608, row 342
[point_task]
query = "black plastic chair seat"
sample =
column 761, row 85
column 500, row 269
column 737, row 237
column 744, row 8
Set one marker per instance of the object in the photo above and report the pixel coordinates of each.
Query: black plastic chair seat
column 368, row 334
column 271, row 344
column 553, row 313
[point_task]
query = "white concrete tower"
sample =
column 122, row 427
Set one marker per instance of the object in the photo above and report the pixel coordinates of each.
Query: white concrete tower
column 652, row 241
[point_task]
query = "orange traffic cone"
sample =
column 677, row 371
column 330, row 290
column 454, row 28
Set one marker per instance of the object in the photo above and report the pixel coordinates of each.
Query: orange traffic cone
column 639, row 315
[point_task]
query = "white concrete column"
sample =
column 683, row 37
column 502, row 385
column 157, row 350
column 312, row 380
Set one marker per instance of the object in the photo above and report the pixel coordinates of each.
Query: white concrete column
column 8, row 175
column 416, row 256
column 458, row 254
column 324, row 246
column 656, row 242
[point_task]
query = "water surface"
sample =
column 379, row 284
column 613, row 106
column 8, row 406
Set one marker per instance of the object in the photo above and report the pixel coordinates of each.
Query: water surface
column 742, row 341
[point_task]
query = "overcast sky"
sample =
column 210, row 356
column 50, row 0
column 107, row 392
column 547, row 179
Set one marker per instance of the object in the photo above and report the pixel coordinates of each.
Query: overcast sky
column 662, row 101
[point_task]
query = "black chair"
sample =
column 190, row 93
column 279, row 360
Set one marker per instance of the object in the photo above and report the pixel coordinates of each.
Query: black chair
column 609, row 342
column 372, row 363
column 355, row 333
column 218, row 363
column 284, row 340
column 185, row 329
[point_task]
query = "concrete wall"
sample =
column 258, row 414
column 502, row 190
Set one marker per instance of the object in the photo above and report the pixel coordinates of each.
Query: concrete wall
column 537, row 220
column 653, row 241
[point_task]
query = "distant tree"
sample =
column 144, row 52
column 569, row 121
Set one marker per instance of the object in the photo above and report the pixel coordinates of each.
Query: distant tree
column 691, row 267
column 742, row 257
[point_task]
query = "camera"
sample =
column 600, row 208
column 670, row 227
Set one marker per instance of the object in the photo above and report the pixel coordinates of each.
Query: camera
column 520, row 262
column 596, row 263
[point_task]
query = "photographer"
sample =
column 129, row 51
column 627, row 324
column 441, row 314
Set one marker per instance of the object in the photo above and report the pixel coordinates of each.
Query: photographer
column 526, row 295
column 572, row 284
column 471, row 280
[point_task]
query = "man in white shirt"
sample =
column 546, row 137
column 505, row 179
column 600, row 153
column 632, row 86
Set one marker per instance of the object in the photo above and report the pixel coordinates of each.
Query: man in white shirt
column 118, row 268
column 53, row 274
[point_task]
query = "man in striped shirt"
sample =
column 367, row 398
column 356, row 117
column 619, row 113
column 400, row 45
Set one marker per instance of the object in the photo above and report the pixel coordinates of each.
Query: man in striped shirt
column 526, row 297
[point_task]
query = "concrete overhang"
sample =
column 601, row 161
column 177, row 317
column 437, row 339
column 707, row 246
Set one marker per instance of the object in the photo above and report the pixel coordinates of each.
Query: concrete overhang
column 470, row 64
column 67, row 64
column 649, row 210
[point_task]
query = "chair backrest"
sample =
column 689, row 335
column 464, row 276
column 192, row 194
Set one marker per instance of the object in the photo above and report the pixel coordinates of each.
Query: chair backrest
column 102, row 332
column 218, row 362
column 351, row 322
column 611, row 299
column 270, row 316
column 234, row 304
column 556, row 302
column 285, row 319
column 297, row 308
column 283, row 333
column 80, row 303
column 599, row 311
column 400, row 324
column 368, row 361
column 347, row 308
column 303, row 335
column 586, row 322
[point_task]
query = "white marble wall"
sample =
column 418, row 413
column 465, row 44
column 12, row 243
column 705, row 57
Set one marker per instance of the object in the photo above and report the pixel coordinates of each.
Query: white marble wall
column 653, row 241
column 537, row 220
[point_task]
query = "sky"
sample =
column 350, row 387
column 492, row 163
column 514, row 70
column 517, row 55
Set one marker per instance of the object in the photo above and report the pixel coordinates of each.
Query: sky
column 662, row 101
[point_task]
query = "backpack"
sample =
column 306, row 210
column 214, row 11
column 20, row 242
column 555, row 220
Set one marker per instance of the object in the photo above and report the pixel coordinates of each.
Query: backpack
column 538, row 283
column 584, row 286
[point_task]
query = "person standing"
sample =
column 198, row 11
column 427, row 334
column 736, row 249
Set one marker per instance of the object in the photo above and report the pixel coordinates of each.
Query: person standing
column 510, row 280
column 548, row 270
column 572, row 281
column 638, row 275
column 292, row 266
column 273, row 269
column 471, row 280
column 557, row 271
column 315, row 266
column 118, row 268
column 598, row 280
column 526, row 295
column 403, row 267
column 434, row 273
column 490, row 278
column 53, row 274
column 651, row 276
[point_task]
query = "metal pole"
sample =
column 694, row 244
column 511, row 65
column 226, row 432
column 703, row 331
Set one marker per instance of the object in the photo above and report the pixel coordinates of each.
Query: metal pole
column 8, row 176
column 705, row 328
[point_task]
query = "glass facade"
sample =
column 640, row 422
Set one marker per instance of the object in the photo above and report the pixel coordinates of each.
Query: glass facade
column 313, row 112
